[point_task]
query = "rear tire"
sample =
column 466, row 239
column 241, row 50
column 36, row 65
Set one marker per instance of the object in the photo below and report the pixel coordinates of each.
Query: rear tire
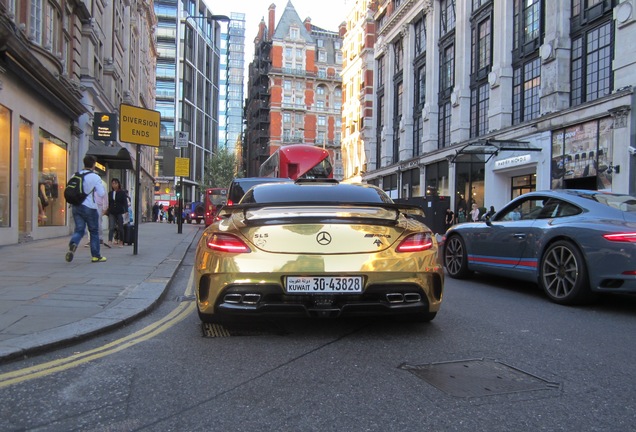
column 456, row 258
column 563, row 274
column 208, row 318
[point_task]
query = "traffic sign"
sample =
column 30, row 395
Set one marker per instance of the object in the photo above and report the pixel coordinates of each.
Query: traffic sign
column 181, row 139
column 139, row 125
column 182, row 166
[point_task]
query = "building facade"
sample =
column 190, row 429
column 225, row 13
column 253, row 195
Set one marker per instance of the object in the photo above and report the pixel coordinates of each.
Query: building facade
column 294, row 89
column 189, row 40
column 231, row 86
column 357, row 83
column 480, row 100
column 62, row 64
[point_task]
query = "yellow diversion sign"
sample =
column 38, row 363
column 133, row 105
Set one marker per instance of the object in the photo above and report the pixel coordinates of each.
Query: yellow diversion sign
column 139, row 125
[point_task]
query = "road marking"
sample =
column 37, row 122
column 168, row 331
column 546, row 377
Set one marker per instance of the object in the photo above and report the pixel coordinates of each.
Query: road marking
column 49, row 368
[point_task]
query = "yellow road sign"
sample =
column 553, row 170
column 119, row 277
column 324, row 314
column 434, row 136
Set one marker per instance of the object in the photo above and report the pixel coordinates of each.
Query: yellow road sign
column 139, row 125
column 182, row 167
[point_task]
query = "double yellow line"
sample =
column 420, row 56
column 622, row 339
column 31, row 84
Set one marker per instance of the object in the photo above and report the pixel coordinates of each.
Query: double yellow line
column 49, row 368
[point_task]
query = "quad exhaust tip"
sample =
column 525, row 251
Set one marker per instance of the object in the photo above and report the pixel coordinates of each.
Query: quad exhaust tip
column 403, row 298
column 249, row 298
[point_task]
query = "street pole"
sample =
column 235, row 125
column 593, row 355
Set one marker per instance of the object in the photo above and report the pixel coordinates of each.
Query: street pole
column 180, row 209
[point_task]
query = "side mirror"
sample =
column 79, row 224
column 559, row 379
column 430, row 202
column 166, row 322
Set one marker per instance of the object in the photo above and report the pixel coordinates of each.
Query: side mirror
column 488, row 221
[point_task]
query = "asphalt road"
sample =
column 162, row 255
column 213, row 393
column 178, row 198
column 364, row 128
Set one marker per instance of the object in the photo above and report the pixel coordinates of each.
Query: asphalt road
column 498, row 357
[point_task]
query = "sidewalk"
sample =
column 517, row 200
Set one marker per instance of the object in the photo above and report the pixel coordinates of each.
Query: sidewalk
column 47, row 302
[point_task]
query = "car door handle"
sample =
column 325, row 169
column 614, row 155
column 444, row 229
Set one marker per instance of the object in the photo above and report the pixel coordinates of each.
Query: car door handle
column 519, row 235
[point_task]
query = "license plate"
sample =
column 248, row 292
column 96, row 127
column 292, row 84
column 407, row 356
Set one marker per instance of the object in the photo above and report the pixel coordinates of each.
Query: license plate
column 324, row 285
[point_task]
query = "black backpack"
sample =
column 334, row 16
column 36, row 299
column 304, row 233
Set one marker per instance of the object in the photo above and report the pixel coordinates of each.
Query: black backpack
column 74, row 191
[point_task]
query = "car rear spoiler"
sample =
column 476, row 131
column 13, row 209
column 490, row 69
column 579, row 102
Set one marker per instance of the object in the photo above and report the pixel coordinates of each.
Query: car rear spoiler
column 409, row 211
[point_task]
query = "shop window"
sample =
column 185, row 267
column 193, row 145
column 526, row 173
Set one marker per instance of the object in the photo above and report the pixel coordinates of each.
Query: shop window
column 437, row 181
column 51, row 180
column 582, row 155
column 5, row 167
column 411, row 183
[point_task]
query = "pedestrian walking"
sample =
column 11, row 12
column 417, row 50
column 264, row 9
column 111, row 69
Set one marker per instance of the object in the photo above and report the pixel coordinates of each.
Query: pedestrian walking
column 117, row 206
column 86, row 214
column 449, row 218
column 155, row 212
column 102, row 210
column 461, row 215
column 474, row 213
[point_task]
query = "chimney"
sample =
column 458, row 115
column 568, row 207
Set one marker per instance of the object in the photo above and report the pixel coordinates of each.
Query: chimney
column 261, row 30
column 307, row 24
column 271, row 21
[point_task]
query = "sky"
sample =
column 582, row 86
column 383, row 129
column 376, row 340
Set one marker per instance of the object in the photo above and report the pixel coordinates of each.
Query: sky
column 326, row 14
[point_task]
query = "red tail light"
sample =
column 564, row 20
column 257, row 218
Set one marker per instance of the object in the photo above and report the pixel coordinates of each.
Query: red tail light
column 230, row 202
column 416, row 243
column 621, row 237
column 227, row 243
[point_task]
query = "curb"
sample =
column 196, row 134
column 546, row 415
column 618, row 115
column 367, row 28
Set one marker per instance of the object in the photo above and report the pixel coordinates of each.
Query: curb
column 138, row 302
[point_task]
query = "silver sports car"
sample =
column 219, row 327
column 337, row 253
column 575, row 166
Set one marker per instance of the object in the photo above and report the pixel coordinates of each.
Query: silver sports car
column 573, row 243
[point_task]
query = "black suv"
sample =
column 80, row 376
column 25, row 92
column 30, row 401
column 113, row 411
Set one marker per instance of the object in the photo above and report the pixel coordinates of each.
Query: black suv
column 239, row 186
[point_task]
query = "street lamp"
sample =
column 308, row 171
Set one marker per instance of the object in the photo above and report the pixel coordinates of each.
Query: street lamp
column 208, row 18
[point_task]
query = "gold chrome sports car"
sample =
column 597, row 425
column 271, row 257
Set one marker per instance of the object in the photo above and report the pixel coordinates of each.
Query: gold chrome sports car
column 318, row 248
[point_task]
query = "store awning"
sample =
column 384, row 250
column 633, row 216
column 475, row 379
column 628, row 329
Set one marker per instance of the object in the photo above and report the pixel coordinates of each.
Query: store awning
column 484, row 150
column 113, row 155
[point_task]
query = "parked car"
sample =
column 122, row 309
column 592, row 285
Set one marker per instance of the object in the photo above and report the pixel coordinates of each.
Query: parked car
column 318, row 248
column 239, row 186
column 573, row 243
column 194, row 212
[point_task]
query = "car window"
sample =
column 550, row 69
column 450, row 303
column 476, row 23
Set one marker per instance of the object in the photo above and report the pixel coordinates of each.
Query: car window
column 290, row 192
column 527, row 209
column 625, row 203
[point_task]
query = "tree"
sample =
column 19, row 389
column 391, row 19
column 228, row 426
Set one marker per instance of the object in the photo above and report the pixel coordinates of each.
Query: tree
column 219, row 169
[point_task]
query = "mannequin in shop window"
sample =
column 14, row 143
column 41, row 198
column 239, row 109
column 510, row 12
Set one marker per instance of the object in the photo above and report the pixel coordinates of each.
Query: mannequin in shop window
column 44, row 194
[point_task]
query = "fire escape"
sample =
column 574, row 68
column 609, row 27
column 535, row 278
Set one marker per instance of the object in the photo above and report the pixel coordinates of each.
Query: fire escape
column 257, row 108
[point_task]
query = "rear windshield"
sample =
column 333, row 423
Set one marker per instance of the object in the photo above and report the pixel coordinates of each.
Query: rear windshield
column 239, row 187
column 338, row 193
column 625, row 203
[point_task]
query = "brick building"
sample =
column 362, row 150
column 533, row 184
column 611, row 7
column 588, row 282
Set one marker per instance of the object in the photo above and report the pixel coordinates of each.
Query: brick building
column 294, row 90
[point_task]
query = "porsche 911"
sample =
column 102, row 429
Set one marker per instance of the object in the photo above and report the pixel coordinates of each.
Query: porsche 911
column 575, row 244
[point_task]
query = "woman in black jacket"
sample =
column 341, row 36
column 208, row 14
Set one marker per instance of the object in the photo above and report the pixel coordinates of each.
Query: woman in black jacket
column 117, row 206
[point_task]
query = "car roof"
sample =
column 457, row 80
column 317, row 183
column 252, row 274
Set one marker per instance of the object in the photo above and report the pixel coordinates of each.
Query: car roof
column 590, row 198
column 316, row 191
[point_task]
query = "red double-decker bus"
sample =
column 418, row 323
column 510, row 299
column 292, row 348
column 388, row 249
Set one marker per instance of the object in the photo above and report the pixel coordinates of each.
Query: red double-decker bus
column 298, row 161
column 214, row 199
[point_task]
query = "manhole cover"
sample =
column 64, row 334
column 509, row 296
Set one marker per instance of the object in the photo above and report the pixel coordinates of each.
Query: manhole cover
column 478, row 377
column 226, row 330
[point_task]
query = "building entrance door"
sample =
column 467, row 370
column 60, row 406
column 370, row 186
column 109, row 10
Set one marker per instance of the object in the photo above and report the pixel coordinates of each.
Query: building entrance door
column 523, row 184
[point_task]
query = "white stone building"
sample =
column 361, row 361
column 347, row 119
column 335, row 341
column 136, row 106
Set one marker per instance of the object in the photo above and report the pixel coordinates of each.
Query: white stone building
column 482, row 100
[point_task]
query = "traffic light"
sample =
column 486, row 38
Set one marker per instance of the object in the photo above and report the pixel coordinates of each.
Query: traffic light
column 178, row 195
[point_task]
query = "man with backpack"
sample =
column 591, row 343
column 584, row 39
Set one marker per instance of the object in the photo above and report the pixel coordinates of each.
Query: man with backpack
column 85, row 184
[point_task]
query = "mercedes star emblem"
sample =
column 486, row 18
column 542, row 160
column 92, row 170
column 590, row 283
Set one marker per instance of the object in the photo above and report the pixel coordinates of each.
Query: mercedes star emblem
column 323, row 238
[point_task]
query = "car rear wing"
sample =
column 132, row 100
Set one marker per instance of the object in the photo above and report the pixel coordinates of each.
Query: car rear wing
column 385, row 213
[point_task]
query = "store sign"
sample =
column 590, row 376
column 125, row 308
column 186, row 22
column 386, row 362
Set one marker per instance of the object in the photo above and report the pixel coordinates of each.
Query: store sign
column 105, row 126
column 513, row 161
